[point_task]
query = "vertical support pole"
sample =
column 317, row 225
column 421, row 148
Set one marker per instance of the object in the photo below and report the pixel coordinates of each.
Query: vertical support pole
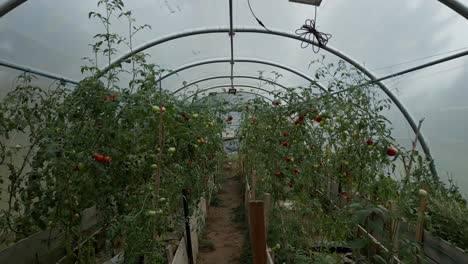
column 267, row 201
column 188, row 235
column 420, row 225
column 254, row 185
column 257, row 230
column 395, row 229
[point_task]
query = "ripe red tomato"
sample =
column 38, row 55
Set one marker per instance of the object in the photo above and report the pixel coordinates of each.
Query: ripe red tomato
column 229, row 118
column 287, row 159
column 107, row 159
column 99, row 158
column 370, row 142
column 318, row 119
column 296, row 171
column 285, row 134
column 278, row 174
column 201, row 141
column 391, row 151
column 301, row 118
column 74, row 168
column 348, row 198
column 343, row 193
column 285, row 144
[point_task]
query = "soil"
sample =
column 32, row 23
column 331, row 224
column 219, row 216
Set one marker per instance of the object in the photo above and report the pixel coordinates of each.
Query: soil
column 222, row 230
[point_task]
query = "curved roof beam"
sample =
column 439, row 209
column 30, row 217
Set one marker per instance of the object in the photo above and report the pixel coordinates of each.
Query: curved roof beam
column 228, row 85
column 9, row 5
column 226, row 77
column 244, row 92
column 247, row 60
column 355, row 63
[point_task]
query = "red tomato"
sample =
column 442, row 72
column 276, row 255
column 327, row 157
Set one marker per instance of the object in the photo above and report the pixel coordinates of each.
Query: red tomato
column 348, row 198
column 391, row 151
column 107, row 159
column 318, row 119
column 229, row 118
column 287, row 159
column 343, row 193
column 74, row 168
column 285, row 134
column 285, row 143
column 278, row 174
column 99, row 158
column 370, row 142
column 301, row 118
column 201, row 141
column 296, row 171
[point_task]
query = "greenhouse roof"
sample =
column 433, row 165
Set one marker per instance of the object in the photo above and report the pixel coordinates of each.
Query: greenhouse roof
column 383, row 36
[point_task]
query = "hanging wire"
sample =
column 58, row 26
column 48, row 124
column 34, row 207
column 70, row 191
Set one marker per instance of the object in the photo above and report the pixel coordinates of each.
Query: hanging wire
column 256, row 18
column 309, row 32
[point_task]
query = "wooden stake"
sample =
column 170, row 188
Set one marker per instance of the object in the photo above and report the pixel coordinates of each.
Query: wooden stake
column 254, row 184
column 257, row 230
column 420, row 225
column 395, row 229
column 267, row 200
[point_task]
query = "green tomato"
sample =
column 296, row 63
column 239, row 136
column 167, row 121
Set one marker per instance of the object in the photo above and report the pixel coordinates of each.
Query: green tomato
column 322, row 123
column 171, row 150
column 194, row 115
column 154, row 166
column 81, row 166
column 150, row 213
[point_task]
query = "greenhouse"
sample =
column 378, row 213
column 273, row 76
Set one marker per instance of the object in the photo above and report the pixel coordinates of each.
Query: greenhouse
column 233, row 131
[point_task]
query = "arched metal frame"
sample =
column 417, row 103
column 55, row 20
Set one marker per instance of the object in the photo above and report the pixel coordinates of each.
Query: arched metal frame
column 241, row 60
column 455, row 5
column 228, row 77
column 229, row 85
column 350, row 60
column 245, row 92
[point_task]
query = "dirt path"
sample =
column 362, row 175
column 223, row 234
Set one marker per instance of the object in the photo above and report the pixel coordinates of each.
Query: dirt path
column 222, row 231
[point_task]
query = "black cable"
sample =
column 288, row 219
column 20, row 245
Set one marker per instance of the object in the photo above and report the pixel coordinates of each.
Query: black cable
column 256, row 18
column 309, row 32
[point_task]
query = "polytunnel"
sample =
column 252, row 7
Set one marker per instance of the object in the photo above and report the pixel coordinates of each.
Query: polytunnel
column 235, row 131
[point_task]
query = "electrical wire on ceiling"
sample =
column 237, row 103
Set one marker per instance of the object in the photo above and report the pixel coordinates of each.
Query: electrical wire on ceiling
column 256, row 18
column 309, row 31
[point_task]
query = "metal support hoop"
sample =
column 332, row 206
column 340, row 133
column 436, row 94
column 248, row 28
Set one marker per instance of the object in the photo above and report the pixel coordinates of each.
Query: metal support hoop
column 36, row 72
column 242, row 60
column 258, row 95
column 330, row 49
column 225, row 77
column 228, row 85
column 9, row 5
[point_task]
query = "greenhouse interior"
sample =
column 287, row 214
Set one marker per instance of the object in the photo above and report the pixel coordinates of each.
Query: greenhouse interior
column 233, row 131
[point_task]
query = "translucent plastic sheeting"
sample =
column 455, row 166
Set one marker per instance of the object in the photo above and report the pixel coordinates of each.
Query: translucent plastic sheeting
column 439, row 95
column 54, row 35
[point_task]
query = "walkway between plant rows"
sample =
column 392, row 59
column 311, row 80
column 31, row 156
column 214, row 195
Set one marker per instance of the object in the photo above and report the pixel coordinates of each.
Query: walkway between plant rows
column 223, row 241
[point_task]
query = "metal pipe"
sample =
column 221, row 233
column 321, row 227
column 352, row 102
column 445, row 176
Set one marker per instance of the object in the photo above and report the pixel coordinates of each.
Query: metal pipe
column 227, row 76
column 245, row 60
column 36, row 72
column 328, row 48
column 456, row 6
column 231, row 36
column 422, row 66
column 9, row 5
column 259, row 95
column 228, row 85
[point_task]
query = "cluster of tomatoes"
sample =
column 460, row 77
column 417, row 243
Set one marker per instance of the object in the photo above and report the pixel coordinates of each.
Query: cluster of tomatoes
column 101, row 158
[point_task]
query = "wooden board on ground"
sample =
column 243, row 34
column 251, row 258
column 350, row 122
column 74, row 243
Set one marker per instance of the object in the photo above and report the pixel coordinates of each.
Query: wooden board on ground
column 45, row 246
column 440, row 251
